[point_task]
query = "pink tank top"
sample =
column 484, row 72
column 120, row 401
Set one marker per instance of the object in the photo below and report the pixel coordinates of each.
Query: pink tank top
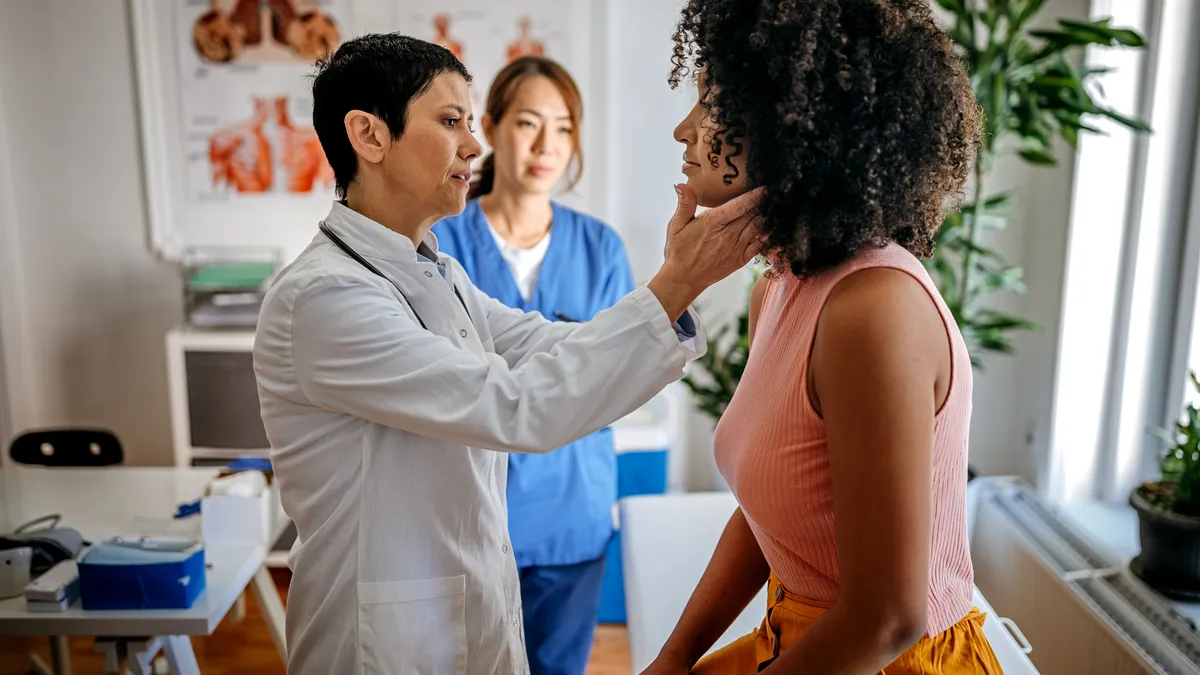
column 771, row 447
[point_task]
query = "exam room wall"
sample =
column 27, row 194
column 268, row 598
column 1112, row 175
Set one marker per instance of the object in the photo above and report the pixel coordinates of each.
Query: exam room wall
column 84, row 305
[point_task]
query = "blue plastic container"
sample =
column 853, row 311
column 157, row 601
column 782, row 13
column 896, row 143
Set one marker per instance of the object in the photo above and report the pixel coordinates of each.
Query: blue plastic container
column 134, row 579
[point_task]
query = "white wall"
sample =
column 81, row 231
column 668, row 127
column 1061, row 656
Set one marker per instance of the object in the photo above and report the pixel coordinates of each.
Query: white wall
column 1013, row 399
column 87, row 304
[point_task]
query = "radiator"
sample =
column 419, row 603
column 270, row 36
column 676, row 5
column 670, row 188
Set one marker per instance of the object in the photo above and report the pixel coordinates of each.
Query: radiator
column 1082, row 611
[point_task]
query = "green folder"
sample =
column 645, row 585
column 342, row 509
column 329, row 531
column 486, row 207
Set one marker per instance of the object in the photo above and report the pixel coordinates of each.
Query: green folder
column 231, row 275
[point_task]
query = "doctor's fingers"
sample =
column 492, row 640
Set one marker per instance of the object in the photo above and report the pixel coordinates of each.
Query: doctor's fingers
column 685, row 209
column 752, row 239
column 741, row 234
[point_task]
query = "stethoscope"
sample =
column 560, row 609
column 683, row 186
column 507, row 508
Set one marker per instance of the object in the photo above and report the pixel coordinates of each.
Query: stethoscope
column 337, row 241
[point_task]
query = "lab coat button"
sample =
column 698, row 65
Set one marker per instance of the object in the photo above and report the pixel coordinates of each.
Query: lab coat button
column 463, row 333
column 516, row 621
column 428, row 273
column 504, row 548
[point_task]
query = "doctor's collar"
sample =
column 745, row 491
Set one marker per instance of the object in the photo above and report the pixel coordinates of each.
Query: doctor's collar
column 371, row 238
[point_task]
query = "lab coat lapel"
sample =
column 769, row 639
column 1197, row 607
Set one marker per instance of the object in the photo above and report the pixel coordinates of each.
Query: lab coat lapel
column 420, row 282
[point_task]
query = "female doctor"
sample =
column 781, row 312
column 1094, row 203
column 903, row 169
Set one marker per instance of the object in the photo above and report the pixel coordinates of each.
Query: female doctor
column 531, row 253
column 391, row 387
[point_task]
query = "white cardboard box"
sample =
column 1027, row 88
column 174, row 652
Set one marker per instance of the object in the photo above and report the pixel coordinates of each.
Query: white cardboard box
column 238, row 520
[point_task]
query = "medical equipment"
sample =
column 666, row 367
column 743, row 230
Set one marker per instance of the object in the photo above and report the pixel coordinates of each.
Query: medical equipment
column 50, row 544
column 119, row 576
column 55, row 590
column 337, row 241
column 14, row 570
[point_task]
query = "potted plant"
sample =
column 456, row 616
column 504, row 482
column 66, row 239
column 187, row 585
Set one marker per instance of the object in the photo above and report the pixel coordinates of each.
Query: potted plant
column 1169, row 512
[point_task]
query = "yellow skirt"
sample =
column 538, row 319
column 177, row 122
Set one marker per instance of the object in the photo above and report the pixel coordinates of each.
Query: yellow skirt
column 961, row 649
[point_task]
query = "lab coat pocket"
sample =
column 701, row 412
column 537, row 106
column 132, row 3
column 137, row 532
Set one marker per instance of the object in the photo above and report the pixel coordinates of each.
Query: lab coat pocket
column 413, row 627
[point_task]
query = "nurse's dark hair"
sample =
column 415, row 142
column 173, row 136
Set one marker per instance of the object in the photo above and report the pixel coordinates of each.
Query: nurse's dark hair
column 501, row 95
column 377, row 73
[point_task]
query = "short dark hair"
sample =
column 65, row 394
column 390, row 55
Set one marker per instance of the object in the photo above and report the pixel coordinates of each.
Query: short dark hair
column 377, row 73
column 856, row 115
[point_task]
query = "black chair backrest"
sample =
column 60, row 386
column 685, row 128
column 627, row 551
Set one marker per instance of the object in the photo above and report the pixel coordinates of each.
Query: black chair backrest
column 74, row 447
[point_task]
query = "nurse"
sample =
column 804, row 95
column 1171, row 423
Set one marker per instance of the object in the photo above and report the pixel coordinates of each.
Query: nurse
column 525, row 250
column 391, row 388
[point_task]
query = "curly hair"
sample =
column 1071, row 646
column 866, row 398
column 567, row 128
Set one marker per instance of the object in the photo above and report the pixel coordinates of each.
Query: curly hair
column 856, row 116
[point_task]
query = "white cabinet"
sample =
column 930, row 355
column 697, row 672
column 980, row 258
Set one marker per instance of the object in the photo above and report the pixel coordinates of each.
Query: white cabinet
column 214, row 400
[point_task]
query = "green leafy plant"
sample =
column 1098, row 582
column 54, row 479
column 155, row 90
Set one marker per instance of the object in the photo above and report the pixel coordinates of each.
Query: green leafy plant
column 1030, row 93
column 1179, row 489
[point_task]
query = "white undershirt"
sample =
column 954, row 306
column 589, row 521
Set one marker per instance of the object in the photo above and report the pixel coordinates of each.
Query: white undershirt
column 525, row 263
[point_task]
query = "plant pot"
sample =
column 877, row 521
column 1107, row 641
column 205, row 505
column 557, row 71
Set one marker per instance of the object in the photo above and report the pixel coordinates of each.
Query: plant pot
column 1170, row 557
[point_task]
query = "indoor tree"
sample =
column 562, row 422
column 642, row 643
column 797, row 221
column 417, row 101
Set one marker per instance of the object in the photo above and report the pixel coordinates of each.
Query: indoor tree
column 1030, row 93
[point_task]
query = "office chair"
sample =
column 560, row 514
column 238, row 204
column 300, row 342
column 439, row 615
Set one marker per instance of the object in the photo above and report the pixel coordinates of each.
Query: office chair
column 67, row 447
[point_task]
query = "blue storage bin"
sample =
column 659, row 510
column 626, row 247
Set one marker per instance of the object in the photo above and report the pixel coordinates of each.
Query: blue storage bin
column 612, row 589
column 111, row 578
column 642, row 472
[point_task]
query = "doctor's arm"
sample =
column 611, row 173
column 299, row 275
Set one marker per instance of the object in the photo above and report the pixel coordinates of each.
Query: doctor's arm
column 519, row 334
column 356, row 351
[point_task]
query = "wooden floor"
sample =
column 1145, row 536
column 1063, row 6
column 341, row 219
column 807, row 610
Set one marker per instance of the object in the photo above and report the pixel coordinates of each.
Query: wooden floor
column 247, row 648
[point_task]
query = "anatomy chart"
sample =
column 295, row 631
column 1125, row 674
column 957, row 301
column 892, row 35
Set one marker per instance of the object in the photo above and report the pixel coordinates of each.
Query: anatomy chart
column 485, row 35
column 247, row 103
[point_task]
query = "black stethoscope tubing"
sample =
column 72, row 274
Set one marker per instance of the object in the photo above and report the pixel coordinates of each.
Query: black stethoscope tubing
column 337, row 241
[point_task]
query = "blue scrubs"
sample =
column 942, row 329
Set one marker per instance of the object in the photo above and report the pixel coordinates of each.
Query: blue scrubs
column 559, row 504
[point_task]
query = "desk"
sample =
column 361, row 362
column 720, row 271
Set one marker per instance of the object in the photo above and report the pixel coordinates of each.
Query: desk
column 104, row 502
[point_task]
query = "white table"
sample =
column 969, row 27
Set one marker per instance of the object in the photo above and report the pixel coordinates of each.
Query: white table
column 104, row 502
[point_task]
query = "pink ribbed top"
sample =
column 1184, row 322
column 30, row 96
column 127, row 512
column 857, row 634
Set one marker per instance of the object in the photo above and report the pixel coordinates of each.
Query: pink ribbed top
column 771, row 447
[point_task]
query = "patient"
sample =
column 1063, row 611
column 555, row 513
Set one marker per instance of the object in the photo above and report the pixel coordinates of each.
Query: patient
column 846, row 443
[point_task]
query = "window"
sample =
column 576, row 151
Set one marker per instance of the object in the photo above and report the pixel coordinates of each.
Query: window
column 1129, row 324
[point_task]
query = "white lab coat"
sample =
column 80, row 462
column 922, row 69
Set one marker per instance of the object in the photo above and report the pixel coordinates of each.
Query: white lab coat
column 384, row 439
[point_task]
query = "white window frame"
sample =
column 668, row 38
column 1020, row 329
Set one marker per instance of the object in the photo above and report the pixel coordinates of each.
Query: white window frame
column 1130, row 284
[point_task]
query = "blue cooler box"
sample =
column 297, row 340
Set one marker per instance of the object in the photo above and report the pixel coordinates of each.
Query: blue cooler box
column 116, row 577
column 642, row 461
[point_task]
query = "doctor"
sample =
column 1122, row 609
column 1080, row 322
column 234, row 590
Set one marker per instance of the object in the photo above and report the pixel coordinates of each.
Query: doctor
column 529, row 252
column 391, row 387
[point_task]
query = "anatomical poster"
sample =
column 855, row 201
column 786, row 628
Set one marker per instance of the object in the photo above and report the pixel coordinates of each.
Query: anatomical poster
column 247, row 102
column 486, row 35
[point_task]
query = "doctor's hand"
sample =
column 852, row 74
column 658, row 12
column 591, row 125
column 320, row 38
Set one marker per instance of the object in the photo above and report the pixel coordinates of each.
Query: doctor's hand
column 703, row 250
